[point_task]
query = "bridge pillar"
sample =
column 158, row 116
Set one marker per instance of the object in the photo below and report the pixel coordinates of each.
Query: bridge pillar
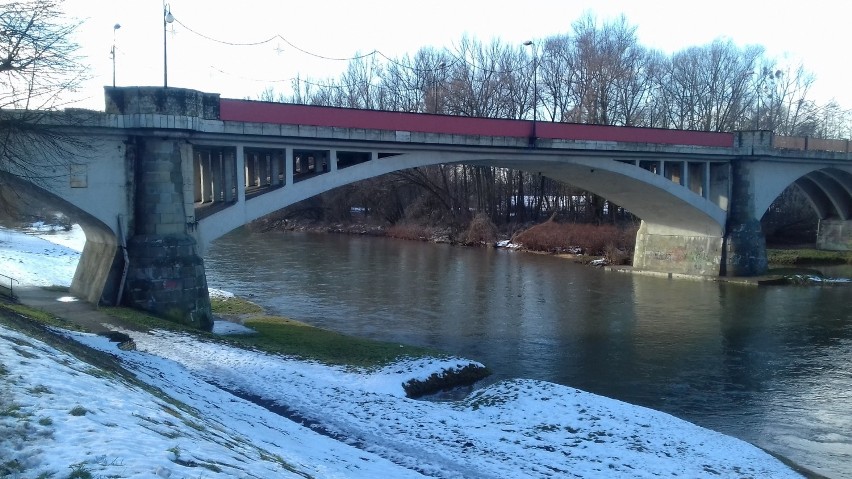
column 165, row 274
column 834, row 235
column 745, row 245
column 229, row 177
column 663, row 250
column 240, row 170
column 332, row 160
column 274, row 169
column 288, row 166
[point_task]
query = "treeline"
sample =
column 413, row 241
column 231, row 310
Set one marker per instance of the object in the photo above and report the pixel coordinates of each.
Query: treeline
column 597, row 73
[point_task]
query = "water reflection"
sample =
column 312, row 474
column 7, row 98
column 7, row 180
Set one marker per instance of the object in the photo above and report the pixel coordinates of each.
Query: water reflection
column 767, row 364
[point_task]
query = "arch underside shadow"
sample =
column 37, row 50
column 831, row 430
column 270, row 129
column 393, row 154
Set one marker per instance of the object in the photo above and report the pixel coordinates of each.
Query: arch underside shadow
column 829, row 191
column 658, row 201
column 95, row 277
column 828, row 188
column 666, row 207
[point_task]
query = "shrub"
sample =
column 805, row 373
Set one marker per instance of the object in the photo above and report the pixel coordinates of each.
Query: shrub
column 409, row 231
column 595, row 240
column 78, row 411
column 79, row 471
column 480, row 231
column 615, row 255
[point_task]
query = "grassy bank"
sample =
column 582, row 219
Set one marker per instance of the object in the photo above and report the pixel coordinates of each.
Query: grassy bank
column 272, row 334
column 807, row 256
column 279, row 335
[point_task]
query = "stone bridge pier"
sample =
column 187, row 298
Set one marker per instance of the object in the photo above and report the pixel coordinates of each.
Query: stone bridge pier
column 165, row 272
column 744, row 247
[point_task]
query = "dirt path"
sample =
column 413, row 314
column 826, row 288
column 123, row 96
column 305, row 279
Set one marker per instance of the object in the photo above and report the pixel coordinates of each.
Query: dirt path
column 65, row 306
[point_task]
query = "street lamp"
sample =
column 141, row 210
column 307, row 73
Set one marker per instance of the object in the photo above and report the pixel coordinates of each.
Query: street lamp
column 530, row 43
column 441, row 67
column 112, row 52
column 167, row 18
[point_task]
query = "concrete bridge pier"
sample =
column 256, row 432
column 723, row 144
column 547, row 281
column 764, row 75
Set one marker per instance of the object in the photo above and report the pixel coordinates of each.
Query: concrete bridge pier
column 834, row 235
column 664, row 249
column 166, row 273
column 744, row 251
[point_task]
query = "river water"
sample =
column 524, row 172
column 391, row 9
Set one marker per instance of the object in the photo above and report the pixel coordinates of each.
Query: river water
column 770, row 365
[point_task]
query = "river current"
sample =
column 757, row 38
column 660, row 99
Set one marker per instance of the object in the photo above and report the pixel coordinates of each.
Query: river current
column 771, row 365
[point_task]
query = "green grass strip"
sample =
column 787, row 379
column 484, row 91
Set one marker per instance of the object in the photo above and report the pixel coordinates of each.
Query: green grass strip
column 284, row 336
column 280, row 335
column 807, row 256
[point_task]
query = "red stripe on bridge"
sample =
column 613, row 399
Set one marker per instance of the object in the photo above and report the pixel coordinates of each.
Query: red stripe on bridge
column 293, row 114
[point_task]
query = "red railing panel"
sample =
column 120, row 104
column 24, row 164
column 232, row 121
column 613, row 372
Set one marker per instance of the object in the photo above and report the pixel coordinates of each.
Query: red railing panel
column 293, row 114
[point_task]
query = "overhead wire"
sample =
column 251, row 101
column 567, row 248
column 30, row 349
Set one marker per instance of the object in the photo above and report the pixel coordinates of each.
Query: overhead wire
column 456, row 59
column 271, row 39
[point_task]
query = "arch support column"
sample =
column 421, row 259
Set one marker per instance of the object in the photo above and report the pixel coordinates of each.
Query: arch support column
column 165, row 274
column 745, row 244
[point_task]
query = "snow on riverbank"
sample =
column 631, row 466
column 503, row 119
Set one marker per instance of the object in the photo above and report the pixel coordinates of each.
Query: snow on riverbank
column 67, row 415
column 41, row 257
column 518, row 428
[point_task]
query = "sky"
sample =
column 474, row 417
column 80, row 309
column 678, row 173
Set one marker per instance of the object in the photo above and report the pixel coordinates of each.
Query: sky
column 815, row 33
column 60, row 412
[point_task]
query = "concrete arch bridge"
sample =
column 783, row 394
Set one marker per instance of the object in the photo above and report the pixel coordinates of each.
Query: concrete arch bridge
column 167, row 171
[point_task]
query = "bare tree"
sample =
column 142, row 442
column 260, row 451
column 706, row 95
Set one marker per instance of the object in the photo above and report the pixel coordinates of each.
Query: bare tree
column 708, row 87
column 416, row 84
column 832, row 121
column 607, row 60
column 480, row 81
column 405, row 85
column 556, row 77
column 786, row 108
column 360, row 84
column 38, row 66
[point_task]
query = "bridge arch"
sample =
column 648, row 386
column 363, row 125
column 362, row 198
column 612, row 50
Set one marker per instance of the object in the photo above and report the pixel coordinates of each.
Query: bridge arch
column 666, row 206
column 829, row 191
column 94, row 279
column 828, row 188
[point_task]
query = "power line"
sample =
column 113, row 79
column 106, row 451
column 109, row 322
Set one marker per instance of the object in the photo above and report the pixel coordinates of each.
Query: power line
column 454, row 58
column 273, row 38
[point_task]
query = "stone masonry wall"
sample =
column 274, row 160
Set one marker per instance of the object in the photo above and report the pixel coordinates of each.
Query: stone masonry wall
column 166, row 274
column 745, row 244
column 164, row 101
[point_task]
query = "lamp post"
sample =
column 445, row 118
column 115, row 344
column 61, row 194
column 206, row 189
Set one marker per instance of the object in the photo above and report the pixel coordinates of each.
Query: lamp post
column 167, row 18
column 112, row 52
column 530, row 43
column 441, row 67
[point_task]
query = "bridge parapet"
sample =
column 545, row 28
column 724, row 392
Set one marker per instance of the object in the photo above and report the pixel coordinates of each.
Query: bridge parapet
column 810, row 144
column 165, row 101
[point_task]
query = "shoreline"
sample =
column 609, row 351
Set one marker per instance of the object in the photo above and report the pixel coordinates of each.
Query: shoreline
column 243, row 310
column 801, row 259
